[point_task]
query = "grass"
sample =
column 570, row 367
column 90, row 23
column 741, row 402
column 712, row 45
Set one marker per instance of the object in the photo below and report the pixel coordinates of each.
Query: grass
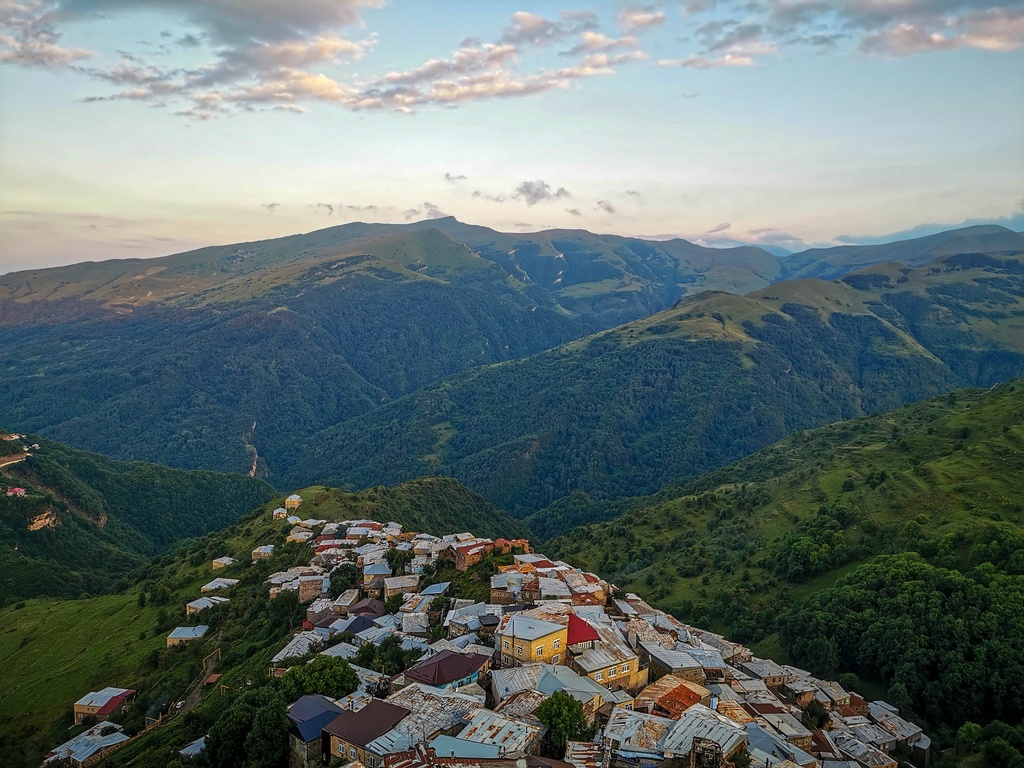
column 61, row 650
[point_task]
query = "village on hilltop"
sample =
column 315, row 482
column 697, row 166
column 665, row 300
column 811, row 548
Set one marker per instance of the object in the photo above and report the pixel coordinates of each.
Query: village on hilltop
column 655, row 692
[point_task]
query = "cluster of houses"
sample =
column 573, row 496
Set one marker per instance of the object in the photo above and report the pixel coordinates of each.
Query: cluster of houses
column 658, row 693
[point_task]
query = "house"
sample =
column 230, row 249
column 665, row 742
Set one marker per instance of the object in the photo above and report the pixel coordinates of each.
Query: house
column 280, row 513
column 670, row 696
column 87, row 746
column 356, row 735
column 375, row 571
column 774, row 676
column 400, row 585
column 487, row 727
column 548, row 678
column 264, row 552
column 675, row 661
column 219, row 583
column 368, row 607
column 16, row 492
column 194, row 607
column 102, row 704
column 307, row 718
column 436, row 712
column 608, row 661
column 525, row 640
column 345, row 601
column 448, row 668
column 436, row 590
column 223, row 562
column 469, row 555
column 301, row 644
column 312, row 586
column 180, row 635
column 292, row 502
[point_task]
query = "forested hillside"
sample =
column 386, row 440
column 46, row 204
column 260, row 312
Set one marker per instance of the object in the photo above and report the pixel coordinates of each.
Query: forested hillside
column 917, row 512
column 228, row 357
column 86, row 520
column 690, row 389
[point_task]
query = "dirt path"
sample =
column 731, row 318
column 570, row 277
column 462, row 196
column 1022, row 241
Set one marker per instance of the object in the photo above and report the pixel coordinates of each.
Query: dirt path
column 196, row 694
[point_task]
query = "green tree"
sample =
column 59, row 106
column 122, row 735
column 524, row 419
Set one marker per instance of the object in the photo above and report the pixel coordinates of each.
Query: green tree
column 253, row 732
column 328, row 675
column 565, row 721
column 967, row 737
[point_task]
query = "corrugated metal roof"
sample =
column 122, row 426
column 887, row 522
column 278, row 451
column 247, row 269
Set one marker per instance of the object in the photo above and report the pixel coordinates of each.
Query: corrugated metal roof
column 488, row 727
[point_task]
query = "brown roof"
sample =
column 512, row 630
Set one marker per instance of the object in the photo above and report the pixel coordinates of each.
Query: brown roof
column 369, row 723
column 446, row 667
column 369, row 605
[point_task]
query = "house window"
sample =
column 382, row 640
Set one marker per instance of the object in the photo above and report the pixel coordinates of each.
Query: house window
column 625, row 668
column 555, row 659
column 519, row 650
column 558, row 644
column 352, row 753
column 540, row 650
column 504, row 645
column 611, row 672
column 599, row 676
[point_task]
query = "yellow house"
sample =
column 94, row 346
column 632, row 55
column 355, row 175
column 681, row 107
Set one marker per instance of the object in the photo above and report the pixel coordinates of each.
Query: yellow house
column 525, row 640
column 608, row 660
column 292, row 502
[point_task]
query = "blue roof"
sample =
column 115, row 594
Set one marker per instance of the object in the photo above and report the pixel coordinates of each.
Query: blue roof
column 449, row 746
column 310, row 714
column 437, row 589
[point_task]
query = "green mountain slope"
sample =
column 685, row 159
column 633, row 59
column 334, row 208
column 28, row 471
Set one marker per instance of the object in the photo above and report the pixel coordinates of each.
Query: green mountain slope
column 119, row 639
column 228, row 356
column 932, row 490
column 830, row 263
column 85, row 521
column 692, row 388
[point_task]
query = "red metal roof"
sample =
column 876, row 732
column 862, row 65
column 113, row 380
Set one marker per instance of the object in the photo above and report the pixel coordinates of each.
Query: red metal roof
column 580, row 631
column 115, row 702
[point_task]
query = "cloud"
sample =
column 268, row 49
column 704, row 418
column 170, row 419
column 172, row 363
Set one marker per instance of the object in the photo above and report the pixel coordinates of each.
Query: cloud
column 32, row 40
column 410, row 213
column 454, row 179
column 632, row 19
column 433, row 212
column 271, row 206
column 531, row 29
column 523, row 225
column 573, row 211
column 719, row 228
column 593, row 42
column 699, row 62
column 742, row 32
column 272, row 54
column 996, row 29
column 533, row 192
column 324, row 207
column 606, row 206
column 484, row 196
column 632, row 193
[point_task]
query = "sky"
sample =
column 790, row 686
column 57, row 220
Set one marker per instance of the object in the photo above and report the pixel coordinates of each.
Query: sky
column 139, row 128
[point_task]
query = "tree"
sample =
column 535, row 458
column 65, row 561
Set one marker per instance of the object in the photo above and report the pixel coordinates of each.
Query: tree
column 565, row 721
column 328, row 675
column 815, row 716
column 967, row 737
column 343, row 578
column 393, row 603
column 253, row 732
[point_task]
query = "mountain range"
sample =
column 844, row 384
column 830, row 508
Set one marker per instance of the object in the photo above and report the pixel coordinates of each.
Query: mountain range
column 529, row 366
